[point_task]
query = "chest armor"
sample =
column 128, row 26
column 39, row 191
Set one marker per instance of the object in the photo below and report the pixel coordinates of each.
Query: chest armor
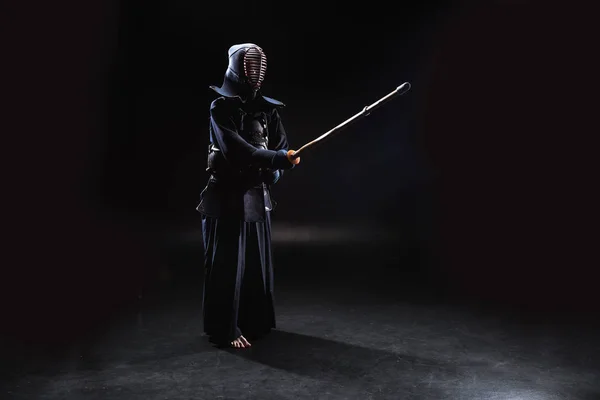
column 238, row 193
column 253, row 128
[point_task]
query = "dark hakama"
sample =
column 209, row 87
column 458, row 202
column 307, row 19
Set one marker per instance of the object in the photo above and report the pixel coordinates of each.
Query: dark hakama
column 238, row 287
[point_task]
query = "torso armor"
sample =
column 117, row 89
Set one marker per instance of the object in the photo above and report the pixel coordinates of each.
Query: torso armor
column 252, row 127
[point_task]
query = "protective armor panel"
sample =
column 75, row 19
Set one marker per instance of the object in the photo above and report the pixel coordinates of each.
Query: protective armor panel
column 254, row 130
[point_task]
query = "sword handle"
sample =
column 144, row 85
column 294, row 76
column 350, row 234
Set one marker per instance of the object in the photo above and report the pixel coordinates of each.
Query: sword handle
column 292, row 157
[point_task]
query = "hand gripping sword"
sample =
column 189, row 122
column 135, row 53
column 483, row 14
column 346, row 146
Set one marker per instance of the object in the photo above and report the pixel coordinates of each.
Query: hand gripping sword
column 293, row 156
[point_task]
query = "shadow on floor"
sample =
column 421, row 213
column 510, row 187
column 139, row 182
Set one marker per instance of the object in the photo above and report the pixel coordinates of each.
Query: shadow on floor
column 386, row 374
column 343, row 363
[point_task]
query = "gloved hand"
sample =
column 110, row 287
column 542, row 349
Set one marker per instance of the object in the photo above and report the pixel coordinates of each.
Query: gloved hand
column 283, row 160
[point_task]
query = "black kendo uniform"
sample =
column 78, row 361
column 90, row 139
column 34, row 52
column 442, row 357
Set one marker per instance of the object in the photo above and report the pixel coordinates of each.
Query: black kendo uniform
column 247, row 154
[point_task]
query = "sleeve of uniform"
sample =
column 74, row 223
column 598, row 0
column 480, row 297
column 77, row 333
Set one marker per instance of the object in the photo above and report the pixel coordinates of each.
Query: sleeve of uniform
column 278, row 140
column 278, row 137
column 235, row 149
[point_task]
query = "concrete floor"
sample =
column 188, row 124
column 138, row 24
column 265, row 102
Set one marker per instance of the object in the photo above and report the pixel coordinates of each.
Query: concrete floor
column 371, row 332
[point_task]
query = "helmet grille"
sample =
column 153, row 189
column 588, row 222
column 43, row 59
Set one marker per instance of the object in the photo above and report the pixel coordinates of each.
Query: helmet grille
column 255, row 66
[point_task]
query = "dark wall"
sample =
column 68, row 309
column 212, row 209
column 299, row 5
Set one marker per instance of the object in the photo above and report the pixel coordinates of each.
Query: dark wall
column 484, row 164
column 326, row 64
column 64, row 264
column 508, row 126
column 107, row 106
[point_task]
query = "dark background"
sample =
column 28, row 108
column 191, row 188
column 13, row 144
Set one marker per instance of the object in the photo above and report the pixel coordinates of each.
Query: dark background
column 485, row 168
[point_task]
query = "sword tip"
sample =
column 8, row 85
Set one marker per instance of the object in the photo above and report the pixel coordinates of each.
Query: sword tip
column 404, row 87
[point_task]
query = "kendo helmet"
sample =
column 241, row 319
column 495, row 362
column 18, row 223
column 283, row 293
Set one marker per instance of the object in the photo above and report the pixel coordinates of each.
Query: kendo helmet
column 245, row 72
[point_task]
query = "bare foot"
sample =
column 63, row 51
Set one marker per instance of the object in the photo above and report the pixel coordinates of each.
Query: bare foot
column 240, row 342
